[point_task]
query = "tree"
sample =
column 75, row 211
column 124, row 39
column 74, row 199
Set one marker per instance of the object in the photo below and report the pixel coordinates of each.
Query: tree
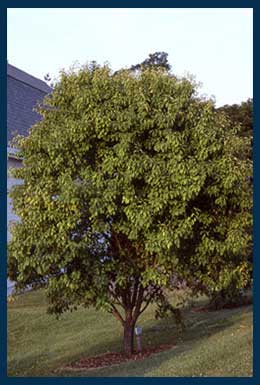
column 49, row 80
column 156, row 60
column 241, row 114
column 129, row 179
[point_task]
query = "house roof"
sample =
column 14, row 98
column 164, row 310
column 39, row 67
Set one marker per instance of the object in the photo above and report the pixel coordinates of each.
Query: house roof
column 24, row 92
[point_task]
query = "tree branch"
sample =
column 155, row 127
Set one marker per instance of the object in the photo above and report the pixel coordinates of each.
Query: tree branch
column 138, row 302
column 133, row 299
column 148, row 301
column 116, row 313
column 114, row 295
column 145, row 306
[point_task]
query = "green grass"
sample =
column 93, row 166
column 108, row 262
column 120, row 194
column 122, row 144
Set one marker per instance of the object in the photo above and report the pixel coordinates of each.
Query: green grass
column 215, row 343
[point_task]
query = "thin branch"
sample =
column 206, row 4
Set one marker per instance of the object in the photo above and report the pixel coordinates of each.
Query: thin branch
column 118, row 243
column 146, row 305
column 116, row 313
column 124, row 298
column 115, row 296
column 138, row 302
column 149, row 300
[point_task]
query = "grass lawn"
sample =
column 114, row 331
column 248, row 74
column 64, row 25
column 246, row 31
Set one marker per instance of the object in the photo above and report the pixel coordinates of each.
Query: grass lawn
column 215, row 343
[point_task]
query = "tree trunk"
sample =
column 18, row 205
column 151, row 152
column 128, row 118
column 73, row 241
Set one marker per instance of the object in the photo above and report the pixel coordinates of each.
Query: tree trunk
column 129, row 337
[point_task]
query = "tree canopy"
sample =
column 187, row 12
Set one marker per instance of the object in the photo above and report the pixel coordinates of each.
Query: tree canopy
column 241, row 114
column 156, row 60
column 129, row 179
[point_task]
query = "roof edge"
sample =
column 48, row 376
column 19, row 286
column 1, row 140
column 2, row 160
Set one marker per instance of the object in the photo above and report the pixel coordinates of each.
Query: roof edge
column 28, row 79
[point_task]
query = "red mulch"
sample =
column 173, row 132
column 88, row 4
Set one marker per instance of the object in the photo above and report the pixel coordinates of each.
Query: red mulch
column 109, row 359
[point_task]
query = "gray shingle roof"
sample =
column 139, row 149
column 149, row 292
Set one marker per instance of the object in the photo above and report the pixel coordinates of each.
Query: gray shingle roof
column 23, row 93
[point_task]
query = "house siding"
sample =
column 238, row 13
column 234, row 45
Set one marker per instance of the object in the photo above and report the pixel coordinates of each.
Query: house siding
column 24, row 93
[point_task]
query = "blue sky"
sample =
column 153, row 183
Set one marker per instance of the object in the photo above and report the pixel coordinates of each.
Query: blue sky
column 214, row 45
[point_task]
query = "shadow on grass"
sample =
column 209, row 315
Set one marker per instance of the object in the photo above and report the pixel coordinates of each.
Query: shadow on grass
column 200, row 326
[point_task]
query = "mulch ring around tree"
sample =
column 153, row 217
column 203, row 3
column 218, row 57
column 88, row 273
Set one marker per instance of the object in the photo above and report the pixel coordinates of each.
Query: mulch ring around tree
column 116, row 358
